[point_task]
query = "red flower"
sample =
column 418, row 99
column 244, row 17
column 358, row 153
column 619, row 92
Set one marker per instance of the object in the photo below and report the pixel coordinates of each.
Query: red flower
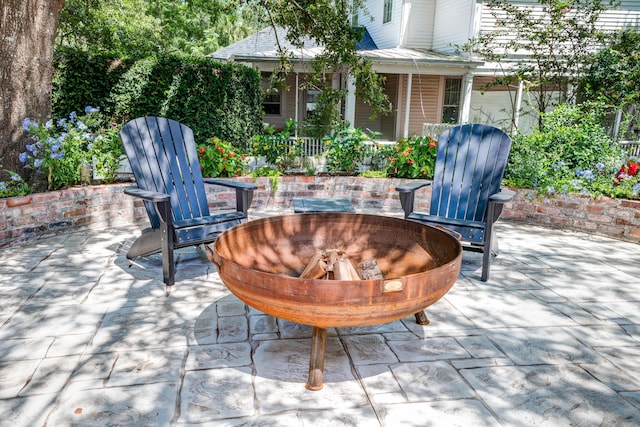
column 630, row 169
column 202, row 150
column 432, row 144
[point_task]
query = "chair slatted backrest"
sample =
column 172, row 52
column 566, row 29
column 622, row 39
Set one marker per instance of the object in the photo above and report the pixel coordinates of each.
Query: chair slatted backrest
column 163, row 158
column 469, row 167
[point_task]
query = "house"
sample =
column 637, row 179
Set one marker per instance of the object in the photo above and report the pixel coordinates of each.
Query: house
column 412, row 44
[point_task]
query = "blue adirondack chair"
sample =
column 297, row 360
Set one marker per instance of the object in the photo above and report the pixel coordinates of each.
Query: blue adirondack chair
column 164, row 160
column 466, row 196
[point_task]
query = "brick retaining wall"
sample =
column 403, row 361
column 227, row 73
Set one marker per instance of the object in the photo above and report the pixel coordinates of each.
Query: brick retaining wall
column 45, row 214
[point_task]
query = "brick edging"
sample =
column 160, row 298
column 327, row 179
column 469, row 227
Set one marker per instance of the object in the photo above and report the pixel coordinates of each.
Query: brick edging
column 44, row 214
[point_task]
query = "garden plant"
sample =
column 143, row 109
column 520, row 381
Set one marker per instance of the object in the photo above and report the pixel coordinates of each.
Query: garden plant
column 63, row 150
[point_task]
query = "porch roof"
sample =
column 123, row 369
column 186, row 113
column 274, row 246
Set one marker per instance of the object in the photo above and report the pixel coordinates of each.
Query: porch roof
column 263, row 47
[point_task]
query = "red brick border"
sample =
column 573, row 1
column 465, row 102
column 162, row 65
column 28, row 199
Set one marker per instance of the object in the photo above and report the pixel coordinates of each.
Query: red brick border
column 44, row 214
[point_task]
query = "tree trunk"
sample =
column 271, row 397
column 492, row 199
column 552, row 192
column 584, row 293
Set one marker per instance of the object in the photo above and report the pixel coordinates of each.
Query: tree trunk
column 27, row 33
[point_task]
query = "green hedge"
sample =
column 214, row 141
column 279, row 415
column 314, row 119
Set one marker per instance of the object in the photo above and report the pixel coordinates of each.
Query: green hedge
column 221, row 100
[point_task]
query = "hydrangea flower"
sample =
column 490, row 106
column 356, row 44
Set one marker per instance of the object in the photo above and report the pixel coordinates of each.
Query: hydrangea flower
column 600, row 166
column 89, row 109
column 28, row 124
column 23, row 157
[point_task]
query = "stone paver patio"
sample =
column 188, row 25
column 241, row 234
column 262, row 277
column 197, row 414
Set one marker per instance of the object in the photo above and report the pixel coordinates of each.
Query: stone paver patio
column 552, row 339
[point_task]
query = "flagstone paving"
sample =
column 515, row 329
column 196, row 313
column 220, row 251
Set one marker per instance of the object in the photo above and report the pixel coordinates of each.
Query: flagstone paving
column 86, row 339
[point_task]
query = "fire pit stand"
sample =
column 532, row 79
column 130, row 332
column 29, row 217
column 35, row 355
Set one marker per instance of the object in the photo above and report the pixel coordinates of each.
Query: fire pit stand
column 260, row 261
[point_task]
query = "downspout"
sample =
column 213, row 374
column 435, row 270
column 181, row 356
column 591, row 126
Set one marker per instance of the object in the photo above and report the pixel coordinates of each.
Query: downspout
column 516, row 113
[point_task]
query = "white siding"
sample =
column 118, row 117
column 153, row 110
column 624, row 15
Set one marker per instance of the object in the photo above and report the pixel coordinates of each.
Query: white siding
column 384, row 35
column 453, row 24
column 627, row 15
column 421, row 22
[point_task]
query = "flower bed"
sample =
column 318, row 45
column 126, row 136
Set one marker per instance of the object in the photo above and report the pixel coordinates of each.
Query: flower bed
column 39, row 215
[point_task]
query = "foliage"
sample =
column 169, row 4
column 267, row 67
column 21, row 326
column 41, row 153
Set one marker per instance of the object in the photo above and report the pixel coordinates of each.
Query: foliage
column 273, row 174
column 373, row 174
column 278, row 148
column 329, row 22
column 413, row 158
column 14, row 186
column 141, row 28
column 570, row 153
column 209, row 97
column 614, row 76
column 346, row 149
column 220, row 159
column 60, row 150
column 81, row 78
column 546, row 47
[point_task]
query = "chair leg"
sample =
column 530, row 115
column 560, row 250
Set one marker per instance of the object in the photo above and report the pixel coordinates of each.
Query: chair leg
column 168, row 264
column 486, row 264
column 166, row 233
column 421, row 318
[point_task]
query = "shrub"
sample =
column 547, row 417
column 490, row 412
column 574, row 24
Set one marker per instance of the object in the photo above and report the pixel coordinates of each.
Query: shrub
column 14, row 186
column 220, row 159
column 278, row 148
column 60, row 150
column 570, row 153
column 211, row 98
column 413, row 158
column 346, row 149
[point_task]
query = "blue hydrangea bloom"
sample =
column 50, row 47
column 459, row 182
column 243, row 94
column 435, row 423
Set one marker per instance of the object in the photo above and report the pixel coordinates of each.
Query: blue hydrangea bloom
column 73, row 116
column 16, row 177
column 37, row 163
column 27, row 124
column 600, row 166
column 62, row 122
column 3, row 186
column 22, row 157
column 81, row 125
column 31, row 148
column 89, row 109
column 636, row 187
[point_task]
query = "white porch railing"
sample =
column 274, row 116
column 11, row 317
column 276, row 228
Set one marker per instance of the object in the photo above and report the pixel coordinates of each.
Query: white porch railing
column 631, row 147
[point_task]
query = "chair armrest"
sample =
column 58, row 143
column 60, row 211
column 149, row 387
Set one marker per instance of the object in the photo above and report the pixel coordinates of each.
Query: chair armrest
column 244, row 192
column 151, row 196
column 229, row 183
column 502, row 196
column 412, row 186
column 408, row 193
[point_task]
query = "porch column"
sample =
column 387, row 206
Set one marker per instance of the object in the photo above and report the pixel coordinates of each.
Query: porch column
column 350, row 102
column 297, row 110
column 467, row 87
column 407, row 107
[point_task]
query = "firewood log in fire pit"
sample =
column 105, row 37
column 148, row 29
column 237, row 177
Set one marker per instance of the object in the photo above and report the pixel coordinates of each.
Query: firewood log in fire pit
column 335, row 264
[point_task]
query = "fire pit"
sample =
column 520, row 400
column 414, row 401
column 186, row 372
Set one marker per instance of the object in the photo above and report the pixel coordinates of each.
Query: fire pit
column 260, row 261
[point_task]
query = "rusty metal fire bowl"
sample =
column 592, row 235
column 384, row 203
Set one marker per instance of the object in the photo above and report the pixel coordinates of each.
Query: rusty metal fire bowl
column 260, row 261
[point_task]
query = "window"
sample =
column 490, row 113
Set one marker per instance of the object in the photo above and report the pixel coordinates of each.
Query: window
column 451, row 103
column 272, row 102
column 386, row 13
